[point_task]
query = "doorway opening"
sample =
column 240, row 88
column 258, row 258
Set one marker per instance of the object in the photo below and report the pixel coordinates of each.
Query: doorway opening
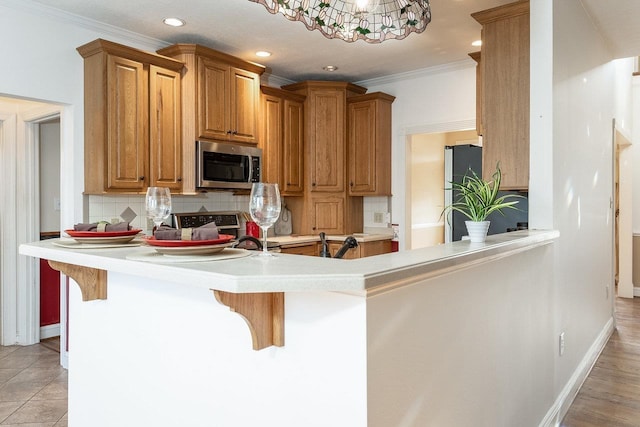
column 21, row 123
column 426, row 170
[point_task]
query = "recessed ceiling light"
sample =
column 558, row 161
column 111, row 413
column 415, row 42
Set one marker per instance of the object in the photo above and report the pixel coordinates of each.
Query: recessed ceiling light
column 174, row 22
column 330, row 68
column 263, row 53
column 477, row 43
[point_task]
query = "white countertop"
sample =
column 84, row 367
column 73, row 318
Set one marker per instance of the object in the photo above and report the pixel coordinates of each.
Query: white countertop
column 291, row 273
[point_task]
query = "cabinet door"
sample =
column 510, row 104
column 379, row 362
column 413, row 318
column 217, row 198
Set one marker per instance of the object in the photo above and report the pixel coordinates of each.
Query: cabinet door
column 165, row 163
column 127, row 141
column 375, row 248
column 244, row 104
column 213, row 100
column 327, row 140
column 353, row 253
column 362, row 149
column 309, row 249
column 293, row 148
column 327, row 214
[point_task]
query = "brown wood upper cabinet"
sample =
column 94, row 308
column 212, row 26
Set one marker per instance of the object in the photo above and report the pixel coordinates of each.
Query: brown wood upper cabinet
column 228, row 101
column 221, row 100
column 282, row 140
column 132, row 119
column 369, row 141
column 505, row 92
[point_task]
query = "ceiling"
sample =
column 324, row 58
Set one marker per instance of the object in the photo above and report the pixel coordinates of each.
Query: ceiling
column 241, row 27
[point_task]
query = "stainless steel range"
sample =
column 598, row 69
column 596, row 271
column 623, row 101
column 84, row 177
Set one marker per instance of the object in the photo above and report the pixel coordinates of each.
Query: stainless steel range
column 228, row 222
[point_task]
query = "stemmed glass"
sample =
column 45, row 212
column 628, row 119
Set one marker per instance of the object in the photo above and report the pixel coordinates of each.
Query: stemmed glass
column 264, row 208
column 158, row 204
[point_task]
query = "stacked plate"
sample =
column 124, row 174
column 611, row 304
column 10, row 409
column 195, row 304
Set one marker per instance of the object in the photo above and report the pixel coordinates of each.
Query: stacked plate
column 103, row 237
column 190, row 247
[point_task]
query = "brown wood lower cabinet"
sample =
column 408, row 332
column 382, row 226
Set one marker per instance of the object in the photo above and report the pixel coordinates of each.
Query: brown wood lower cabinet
column 309, row 249
column 364, row 249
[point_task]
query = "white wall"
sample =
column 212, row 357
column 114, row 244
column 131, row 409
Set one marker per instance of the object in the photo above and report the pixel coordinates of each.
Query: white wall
column 49, row 176
column 41, row 63
column 469, row 348
column 635, row 136
column 571, row 163
column 440, row 99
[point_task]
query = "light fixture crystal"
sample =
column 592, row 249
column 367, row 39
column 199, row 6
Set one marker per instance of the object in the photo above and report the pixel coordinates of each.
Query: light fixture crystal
column 371, row 20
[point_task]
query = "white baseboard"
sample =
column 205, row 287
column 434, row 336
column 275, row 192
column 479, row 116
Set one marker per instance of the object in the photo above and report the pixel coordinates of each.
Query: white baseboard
column 636, row 291
column 49, row 331
column 560, row 407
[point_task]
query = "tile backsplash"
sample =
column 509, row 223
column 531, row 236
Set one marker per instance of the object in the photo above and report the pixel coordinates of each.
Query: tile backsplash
column 131, row 208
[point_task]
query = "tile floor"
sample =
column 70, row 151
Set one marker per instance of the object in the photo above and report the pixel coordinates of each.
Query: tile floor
column 33, row 387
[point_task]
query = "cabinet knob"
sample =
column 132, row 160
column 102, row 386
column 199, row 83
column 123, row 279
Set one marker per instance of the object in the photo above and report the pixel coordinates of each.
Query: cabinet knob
column 313, row 228
column 351, row 184
column 141, row 178
column 228, row 132
column 179, row 179
column 313, row 184
column 235, row 132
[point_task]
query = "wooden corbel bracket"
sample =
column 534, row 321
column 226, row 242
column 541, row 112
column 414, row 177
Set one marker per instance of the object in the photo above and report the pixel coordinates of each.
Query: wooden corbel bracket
column 263, row 312
column 92, row 281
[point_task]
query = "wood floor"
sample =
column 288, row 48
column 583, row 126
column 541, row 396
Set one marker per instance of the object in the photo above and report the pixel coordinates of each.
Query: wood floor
column 610, row 395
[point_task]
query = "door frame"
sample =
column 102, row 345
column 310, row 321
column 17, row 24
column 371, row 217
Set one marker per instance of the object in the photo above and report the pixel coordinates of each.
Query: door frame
column 20, row 319
column 407, row 133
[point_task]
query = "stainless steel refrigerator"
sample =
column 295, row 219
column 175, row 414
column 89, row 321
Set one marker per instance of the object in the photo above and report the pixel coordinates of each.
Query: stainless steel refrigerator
column 458, row 159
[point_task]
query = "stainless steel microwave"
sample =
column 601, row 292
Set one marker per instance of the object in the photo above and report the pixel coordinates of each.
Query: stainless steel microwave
column 220, row 165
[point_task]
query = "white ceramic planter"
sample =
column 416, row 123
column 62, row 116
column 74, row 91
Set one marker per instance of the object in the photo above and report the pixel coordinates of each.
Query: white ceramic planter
column 477, row 230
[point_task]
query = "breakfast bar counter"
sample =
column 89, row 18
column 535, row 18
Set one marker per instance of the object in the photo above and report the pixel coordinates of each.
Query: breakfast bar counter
column 313, row 341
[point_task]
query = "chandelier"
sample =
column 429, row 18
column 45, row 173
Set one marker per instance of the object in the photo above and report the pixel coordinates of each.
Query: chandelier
column 371, row 20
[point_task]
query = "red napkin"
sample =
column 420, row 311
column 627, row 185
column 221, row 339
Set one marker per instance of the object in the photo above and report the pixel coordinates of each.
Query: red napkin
column 121, row 226
column 205, row 232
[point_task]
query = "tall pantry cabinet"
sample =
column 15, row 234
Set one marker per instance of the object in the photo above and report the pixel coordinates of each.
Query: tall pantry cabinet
column 326, row 205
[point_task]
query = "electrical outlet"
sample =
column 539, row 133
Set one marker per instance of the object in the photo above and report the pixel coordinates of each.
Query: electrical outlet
column 561, row 344
column 56, row 203
column 378, row 217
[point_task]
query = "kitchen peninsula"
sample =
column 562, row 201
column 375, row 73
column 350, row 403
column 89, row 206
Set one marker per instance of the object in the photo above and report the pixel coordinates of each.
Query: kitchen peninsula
column 397, row 339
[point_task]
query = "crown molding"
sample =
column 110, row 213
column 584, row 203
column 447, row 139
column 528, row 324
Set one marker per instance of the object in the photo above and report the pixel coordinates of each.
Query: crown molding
column 46, row 11
column 417, row 74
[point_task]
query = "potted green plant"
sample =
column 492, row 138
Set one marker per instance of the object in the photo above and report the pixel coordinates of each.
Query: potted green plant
column 476, row 198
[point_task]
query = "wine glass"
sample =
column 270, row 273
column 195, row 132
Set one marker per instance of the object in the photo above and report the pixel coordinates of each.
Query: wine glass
column 158, row 204
column 264, row 208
